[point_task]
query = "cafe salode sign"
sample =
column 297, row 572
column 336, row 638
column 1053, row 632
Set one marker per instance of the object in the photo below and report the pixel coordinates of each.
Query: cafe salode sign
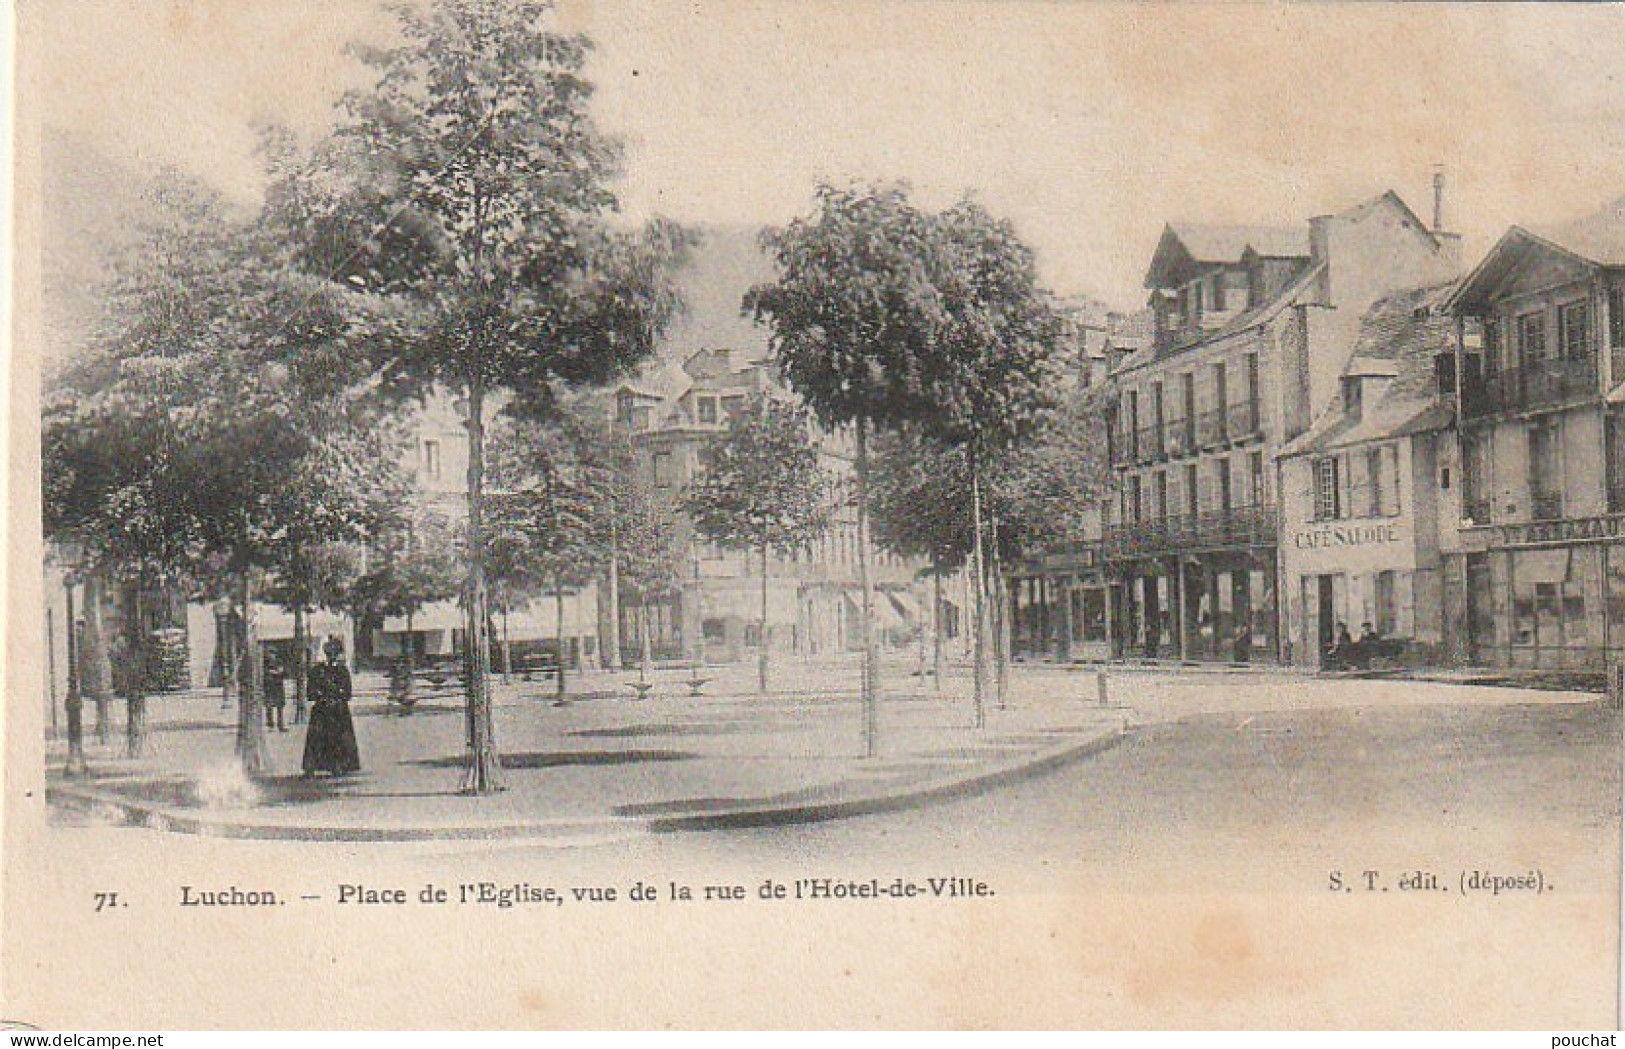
column 1334, row 536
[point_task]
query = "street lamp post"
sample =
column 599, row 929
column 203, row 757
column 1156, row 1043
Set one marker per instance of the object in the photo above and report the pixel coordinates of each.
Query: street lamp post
column 74, row 704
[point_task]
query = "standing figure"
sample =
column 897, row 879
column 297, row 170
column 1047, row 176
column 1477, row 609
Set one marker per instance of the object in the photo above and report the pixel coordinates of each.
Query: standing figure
column 330, row 740
column 276, row 692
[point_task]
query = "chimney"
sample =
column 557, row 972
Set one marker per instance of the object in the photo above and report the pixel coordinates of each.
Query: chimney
column 1438, row 198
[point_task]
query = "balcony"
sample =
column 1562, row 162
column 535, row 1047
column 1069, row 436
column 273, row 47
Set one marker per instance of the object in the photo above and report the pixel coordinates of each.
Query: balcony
column 1243, row 526
column 1543, row 384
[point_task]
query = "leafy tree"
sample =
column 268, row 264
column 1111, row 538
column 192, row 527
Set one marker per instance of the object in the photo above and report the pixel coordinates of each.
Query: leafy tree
column 169, row 441
column 886, row 316
column 349, row 490
column 471, row 180
column 998, row 371
column 854, row 317
column 762, row 490
column 547, row 522
column 413, row 563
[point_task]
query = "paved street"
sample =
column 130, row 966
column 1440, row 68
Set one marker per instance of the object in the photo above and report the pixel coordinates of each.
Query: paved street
column 1180, row 878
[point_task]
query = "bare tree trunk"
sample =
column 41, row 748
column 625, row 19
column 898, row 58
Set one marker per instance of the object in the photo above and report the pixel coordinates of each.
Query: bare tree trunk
column 610, row 654
column 74, row 705
column 484, row 774
column 227, row 643
column 761, row 632
column 95, row 674
column 937, row 661
column 646, row 641
column 558, row 632
column 301, row 662
column 409, row 661
column 507, row 645
column 870, row 688
column 980, row 671
column 1001, row 613
column 137, row 646
column 252, row 750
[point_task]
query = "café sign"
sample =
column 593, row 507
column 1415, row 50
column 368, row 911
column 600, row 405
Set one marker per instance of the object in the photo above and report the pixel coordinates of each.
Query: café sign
column 1340, row 536
column 1575, row 530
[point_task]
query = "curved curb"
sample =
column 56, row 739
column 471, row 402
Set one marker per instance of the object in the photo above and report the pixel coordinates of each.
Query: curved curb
column 746, row 815
column 967, row 786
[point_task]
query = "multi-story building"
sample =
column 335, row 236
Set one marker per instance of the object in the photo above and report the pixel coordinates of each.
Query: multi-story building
column 1252, row 328
column 711, row 364
column 1369, row 499
column 1540, row 579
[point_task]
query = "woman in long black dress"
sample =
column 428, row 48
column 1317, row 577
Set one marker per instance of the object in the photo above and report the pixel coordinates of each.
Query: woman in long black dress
column 330, row 741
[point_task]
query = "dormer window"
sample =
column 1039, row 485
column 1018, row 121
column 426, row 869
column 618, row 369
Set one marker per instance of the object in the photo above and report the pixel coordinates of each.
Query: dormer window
column 1351, row 396
column 707, row 409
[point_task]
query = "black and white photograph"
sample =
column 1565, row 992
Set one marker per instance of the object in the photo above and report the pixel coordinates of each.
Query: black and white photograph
column 744, row 514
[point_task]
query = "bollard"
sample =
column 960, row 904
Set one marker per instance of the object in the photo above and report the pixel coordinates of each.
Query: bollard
column 1100, row 684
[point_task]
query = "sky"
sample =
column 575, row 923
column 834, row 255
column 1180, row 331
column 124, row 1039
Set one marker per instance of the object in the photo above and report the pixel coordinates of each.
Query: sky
column 1088, row 124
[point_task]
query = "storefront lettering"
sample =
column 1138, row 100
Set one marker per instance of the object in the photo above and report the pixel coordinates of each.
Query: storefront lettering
column 1577, row 530
column 1346, row 535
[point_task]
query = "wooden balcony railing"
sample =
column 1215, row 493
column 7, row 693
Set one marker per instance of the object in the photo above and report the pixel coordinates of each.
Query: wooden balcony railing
column 1543, row 384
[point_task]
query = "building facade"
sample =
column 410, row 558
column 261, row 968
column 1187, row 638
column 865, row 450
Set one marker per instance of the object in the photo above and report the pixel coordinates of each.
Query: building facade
column 1252, row 328
column 1539, row 580
column 711, row 363
column 1369, row 494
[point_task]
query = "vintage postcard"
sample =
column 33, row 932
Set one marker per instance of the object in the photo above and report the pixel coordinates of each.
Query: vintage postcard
column 757, row 514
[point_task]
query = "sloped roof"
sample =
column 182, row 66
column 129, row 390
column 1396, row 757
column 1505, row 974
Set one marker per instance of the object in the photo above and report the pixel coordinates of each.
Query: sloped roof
column 1597, row 239
column 1399, row 336
column 1208, row 243
column 1186, row 245
column 1241, row 322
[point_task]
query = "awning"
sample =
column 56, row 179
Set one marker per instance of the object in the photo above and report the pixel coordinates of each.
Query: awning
column 1541, row 566
column 437, row 615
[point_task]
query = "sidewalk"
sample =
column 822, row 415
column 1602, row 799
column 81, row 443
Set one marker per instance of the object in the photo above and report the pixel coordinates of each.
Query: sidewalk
column 605, row 763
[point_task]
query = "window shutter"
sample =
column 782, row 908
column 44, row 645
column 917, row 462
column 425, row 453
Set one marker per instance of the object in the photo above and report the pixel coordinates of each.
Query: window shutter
column 1358, row 503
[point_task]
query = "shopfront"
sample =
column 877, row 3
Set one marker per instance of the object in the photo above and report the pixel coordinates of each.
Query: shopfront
column 1211, row 607
column 1358, row 576
column 1548, row 596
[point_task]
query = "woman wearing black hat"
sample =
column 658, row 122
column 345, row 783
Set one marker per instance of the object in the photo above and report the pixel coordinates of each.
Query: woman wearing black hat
column 330, row 741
